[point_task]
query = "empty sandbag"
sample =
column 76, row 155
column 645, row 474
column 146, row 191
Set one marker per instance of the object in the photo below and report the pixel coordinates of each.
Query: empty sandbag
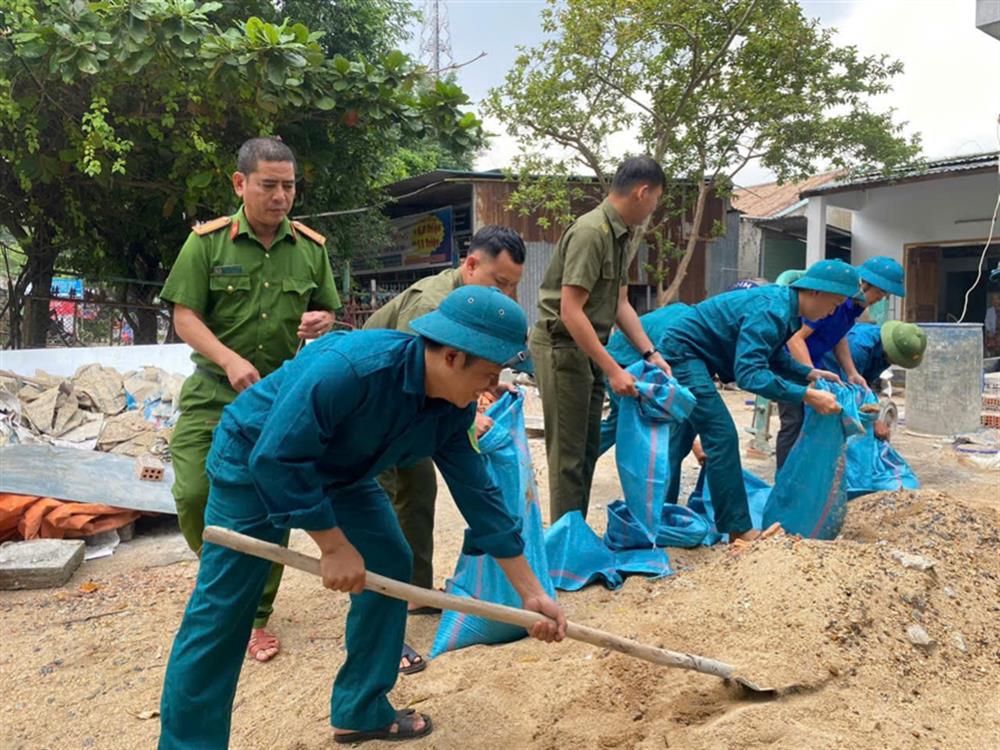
column 809, row 496
column 643, row 442
column 505, row 448
column 873, row 465
column 577, row 556
column 700, row 502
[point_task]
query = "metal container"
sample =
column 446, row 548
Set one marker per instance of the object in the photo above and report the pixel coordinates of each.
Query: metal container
column 944, row 395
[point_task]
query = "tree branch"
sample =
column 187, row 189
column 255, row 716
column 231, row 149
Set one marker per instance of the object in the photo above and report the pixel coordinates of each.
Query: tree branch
column 646, row 108
column 457, row 66
column 699, row 77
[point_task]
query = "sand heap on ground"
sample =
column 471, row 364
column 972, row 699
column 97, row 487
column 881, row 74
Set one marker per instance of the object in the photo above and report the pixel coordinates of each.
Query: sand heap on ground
column 887, row 636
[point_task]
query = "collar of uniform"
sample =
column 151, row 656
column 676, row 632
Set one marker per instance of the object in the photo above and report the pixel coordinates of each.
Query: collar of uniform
column 243, row 227
column 413, row 368
column 793, row 307
column 456, row 278
column 614, row 219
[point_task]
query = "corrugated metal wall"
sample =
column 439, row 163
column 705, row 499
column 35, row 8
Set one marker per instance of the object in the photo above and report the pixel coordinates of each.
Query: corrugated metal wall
column 724, row 258
column 536, row 261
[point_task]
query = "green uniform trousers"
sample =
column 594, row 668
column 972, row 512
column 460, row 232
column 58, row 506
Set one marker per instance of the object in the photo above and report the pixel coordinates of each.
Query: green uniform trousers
column 207, row 655
column 572, row 390
column 712, row 421
column 203, row 397
column 413, row 492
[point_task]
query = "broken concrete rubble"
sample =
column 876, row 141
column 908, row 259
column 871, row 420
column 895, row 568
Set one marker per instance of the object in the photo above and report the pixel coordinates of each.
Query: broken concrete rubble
column 98, row 408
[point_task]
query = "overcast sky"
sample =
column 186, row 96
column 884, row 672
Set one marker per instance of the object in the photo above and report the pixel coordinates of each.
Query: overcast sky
column 949, row 90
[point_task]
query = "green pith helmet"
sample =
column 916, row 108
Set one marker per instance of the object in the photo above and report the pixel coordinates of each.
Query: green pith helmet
column 904, row 343
column 786, row 278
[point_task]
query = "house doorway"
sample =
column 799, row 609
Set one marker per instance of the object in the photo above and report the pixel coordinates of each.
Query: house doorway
column 938, row 278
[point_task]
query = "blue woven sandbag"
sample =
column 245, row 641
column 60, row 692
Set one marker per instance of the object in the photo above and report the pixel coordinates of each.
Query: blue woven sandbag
column 643, row 442
column 627, row 540
column 505, row 448
column 680, row 526
column 651, row 563
column 874, row 465
column 577, row 556
column 700, row 502
column 809, row 497
column 623, row 531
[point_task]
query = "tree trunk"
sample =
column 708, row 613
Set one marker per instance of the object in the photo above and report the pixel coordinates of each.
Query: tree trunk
column 35, row 323
column 699, row 212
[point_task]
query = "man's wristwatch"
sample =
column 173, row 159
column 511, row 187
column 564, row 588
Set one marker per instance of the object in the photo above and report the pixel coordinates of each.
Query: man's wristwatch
column 647, row 355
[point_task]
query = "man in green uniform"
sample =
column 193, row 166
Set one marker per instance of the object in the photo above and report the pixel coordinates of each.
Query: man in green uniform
column 246, row 290
column 583, row 294
column 496, row 259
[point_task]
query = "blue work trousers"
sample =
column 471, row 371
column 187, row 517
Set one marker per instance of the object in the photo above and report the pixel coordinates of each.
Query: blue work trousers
column 208, row 652
column 712, row 421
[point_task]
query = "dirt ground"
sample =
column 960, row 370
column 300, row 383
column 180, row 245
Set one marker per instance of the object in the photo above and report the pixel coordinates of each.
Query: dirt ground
column 82, row 665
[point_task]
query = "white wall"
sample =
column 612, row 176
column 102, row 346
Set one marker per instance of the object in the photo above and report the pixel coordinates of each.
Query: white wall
column 893, row 217
column 174, row 358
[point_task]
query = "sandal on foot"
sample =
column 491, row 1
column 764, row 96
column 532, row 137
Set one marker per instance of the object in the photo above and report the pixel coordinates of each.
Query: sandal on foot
column 404, row 722
column 417, row 663
column 425, row 610
column 262, row 640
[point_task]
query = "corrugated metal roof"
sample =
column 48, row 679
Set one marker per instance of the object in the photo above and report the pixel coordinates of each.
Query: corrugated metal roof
column 427, row 179
column 439, row 175
column 763, row 201
column 929, row 169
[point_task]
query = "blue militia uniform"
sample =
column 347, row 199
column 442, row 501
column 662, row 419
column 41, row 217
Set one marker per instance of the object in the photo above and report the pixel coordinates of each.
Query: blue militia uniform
column 301, row 449
column 826, row 333
column 739, row 336
column 865, row 341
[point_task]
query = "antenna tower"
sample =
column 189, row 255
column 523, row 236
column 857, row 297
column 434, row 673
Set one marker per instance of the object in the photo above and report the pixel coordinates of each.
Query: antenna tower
column 435, row 36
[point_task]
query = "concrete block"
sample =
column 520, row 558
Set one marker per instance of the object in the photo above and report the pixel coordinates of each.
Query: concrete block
column 39, row 563
column 126, row 533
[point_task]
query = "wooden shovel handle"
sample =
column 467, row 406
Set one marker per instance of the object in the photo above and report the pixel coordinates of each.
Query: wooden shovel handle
column 488, row 610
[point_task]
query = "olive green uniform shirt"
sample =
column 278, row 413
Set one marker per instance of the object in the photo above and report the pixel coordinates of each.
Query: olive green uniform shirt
column 250, row 297
column 592, row 253
column 422, row 297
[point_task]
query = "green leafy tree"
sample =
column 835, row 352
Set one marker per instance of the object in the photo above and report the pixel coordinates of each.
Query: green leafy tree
column 119, row 124
column 703, row 86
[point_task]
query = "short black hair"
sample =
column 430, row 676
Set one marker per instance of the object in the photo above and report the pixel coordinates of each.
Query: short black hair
column 494, row 239
column 262, row 149
column 435, row 346
column 638, row 170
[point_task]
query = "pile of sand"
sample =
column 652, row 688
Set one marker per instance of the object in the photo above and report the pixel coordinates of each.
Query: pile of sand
column 830, row 619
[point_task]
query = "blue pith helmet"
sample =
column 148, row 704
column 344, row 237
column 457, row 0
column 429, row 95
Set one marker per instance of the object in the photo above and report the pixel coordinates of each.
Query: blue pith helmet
column 885, row 273
column 481, row 321
column 832, row 276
